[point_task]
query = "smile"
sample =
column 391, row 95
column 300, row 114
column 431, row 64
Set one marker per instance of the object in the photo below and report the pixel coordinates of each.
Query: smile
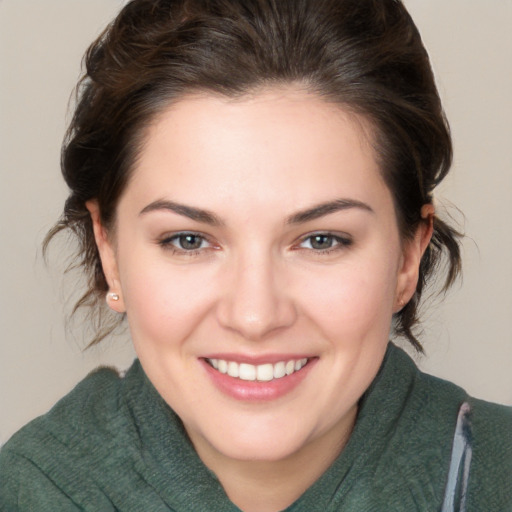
column 261, row 372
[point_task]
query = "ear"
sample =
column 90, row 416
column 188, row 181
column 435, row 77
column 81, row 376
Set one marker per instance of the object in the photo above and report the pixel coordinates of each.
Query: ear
column 413, row 251
column 108, row 258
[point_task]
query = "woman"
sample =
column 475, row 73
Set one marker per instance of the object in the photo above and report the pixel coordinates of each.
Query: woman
column 252, row 187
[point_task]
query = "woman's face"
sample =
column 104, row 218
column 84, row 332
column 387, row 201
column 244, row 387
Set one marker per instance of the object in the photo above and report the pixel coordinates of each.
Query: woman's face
column 257, row 237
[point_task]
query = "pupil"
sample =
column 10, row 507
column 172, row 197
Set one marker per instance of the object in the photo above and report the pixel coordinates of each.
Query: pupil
column 190, row 242
column 321, row 242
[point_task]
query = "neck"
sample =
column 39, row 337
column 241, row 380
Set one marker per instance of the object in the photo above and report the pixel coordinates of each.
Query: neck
column 271, row 486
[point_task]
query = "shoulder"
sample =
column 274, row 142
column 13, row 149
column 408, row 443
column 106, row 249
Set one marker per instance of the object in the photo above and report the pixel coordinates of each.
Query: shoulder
column 55, row 450
column 437, row 394
column 489, row 436
column 92, row 404
column 491, row 423
column 491, row 420
column 490, row 480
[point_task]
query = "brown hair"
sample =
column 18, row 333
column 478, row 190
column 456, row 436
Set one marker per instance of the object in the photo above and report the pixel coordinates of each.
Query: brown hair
column 366, row 55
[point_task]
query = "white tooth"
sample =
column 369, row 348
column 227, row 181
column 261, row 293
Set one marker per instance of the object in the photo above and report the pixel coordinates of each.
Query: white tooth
column 279, row 370
column 223, row 366
column 215, row 363
column 265, row 372
column 290, row 367
column 233, row 370
column 298, row 365
column 247, row 371
column 303, row 362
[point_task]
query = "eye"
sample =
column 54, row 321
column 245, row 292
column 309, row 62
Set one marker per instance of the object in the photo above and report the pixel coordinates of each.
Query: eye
column 324, row 242
column 320, row 242
column 185, row 242
column 190, row 242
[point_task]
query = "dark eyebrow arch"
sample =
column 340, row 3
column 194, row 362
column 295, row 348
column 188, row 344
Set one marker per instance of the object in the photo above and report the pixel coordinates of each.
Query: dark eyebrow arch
column 323, row 209
column 196, row 214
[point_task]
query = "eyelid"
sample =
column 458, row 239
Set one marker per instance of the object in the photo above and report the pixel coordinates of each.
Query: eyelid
column 343, row 240
column 166, row 242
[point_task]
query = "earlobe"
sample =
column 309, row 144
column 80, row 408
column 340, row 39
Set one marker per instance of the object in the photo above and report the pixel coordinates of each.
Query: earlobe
column 108, row 258
column 412, row 254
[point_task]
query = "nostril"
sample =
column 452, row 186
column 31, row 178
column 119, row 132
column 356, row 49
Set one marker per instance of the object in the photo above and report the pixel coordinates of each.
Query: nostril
column 254, row 318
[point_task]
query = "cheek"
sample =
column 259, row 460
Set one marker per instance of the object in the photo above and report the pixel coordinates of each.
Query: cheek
column 355, row 299
column 164, row 302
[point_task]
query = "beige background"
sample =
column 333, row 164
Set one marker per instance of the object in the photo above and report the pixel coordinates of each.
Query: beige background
column 468, row 336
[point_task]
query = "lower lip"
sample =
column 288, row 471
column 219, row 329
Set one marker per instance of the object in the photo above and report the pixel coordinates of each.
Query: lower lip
column 257, row 391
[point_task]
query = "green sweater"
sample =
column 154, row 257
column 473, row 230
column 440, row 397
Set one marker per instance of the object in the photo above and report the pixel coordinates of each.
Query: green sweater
column 113, row 444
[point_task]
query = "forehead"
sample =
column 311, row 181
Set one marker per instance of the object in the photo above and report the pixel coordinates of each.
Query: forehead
column 259, row 145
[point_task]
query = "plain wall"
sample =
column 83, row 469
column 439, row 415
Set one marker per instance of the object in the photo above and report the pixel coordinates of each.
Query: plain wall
column 468, row 335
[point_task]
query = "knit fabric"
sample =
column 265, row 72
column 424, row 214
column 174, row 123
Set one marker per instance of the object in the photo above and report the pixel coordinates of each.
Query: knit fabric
column 113, row 444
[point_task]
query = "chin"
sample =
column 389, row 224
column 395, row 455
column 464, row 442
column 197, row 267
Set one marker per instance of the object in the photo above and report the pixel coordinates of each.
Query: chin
column 262, row 449
column 267, row 439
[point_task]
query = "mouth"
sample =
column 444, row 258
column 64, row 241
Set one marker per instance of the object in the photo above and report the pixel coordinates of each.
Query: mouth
column 261, row 372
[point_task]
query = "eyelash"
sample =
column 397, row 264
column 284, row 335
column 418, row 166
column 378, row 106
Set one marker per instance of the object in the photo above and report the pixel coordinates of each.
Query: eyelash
column 340, row 243
column 167, row 243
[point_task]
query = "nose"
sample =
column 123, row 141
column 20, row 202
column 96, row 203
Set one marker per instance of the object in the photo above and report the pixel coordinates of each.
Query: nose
column 255, row 302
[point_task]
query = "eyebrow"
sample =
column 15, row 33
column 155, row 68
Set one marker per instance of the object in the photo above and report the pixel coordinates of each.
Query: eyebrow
column 322, row 209
column 207, row 217
column 196, row 214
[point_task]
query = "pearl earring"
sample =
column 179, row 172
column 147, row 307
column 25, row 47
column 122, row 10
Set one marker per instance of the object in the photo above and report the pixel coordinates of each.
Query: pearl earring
column 112, row 296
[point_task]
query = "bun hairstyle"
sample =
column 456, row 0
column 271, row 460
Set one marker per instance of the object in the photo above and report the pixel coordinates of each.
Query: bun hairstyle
column 365, row 55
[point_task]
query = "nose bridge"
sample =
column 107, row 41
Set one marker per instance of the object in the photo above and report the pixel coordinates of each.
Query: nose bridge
column 254, row 302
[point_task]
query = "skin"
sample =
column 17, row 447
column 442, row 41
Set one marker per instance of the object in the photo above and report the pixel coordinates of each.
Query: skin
column 258, row 284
